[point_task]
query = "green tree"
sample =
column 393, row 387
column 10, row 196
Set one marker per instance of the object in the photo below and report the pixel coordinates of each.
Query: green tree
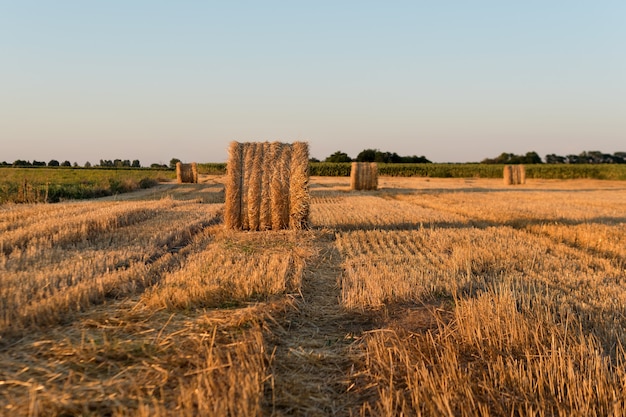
column 338, row 157
column 173, row 162
column 367, row 155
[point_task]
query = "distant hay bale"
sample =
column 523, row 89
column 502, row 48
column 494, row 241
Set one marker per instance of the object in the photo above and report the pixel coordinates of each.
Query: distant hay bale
column 364, row 176
column 514, row 174
column 267, row 186
column 186, row 173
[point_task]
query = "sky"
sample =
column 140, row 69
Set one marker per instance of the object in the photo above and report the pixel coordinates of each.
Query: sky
column 454, row 81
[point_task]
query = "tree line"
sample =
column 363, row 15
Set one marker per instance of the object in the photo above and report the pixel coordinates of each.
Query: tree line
column 367, row 155
column 374, row 155
column 585, row 157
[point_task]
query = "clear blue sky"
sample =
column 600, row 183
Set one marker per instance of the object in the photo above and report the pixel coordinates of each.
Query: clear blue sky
column 454, row 81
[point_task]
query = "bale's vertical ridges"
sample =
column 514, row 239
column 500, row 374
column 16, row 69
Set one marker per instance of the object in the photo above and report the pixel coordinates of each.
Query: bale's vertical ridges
column 280, row 188
column 522, row 174
column 265, row 216
column 508, row 175
column 234, row 186
column 194, row 172
column 299, row 201
column 248, row 162
column 254, row 191
column 373, row 176
column 179, row 172
column 354, row 176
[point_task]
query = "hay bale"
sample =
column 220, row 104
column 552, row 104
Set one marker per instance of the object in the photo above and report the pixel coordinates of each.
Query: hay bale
column 514, row 174
column 364, row 176
column 186, row 173
column 267, row 186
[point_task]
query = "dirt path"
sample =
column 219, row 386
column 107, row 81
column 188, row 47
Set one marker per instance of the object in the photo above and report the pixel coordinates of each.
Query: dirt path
column 311, row 366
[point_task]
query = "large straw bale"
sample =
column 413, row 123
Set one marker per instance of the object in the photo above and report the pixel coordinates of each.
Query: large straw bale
column 267, row 186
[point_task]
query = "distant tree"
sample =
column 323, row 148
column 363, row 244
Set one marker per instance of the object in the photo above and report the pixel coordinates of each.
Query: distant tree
column 555, row 159
column 338, row 157
column 158, row 165
column 87, row 164
column 136, row 164
column 75, row 164
column 313, row 159
column 117, row 163
column 53, row 163
column 414, row 160
column 5, row 164
column 66, row 164
column 367, row 155
column 532, row 158
column 39, row 163
column 173, row 162
column 21, row 163
column 620, row 157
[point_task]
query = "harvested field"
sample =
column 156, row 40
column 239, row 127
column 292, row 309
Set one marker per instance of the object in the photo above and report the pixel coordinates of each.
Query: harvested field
column 457, row 297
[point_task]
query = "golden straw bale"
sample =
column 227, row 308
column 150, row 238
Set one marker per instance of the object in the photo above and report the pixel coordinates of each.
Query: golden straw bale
column 267, row 186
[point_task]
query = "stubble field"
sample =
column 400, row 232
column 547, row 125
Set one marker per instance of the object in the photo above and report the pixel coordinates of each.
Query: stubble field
column 457, row 297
